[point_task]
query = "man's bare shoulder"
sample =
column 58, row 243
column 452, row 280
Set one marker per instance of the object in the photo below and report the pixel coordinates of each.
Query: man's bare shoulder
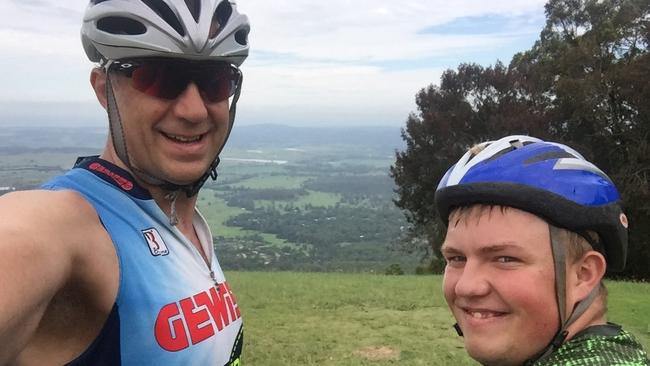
column 42, row 204
column 57, row 232
column 58, row 215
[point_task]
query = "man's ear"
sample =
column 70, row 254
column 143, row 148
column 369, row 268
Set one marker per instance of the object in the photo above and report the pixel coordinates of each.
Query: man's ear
column 98, row 81
column 587, row 273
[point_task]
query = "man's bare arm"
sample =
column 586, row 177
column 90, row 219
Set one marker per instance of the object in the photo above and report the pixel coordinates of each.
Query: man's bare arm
column 39, row 235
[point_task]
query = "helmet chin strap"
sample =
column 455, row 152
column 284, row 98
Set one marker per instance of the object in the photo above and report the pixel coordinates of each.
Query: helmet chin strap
column 559, row 240
column 121, row 149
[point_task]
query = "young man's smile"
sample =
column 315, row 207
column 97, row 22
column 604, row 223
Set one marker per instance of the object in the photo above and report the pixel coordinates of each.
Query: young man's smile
column 482, row 314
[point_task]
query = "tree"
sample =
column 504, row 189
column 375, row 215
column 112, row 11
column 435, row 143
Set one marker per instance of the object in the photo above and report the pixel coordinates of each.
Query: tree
column 585, row 82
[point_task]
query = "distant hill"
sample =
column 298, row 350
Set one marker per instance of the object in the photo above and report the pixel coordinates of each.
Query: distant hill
column 17, row 139
column 287, row 136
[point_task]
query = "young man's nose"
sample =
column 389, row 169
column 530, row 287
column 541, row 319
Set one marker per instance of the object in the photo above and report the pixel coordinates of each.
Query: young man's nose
column 190, row 106
column 473, row 281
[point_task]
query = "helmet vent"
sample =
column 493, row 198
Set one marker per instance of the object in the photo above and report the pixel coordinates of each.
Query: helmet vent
column 501, row 153
column 514, row 145
column 241, row 37
column 95, row 2
column 121, row 25
column 166, row 14
column 195, row 8
column 220, row 17
column 551, row 155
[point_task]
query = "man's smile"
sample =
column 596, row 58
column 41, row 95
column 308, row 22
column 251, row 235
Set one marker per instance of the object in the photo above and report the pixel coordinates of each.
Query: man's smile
column 183, row 139
column 482, row 314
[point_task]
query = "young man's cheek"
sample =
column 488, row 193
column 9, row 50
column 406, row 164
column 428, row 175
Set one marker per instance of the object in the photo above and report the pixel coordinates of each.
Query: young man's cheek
column 449, row 281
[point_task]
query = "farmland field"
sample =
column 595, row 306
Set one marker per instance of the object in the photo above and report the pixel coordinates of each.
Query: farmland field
column 295, row 204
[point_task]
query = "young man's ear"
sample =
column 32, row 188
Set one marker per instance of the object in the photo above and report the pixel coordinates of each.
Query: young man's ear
column 98, row 82
column 586, row 274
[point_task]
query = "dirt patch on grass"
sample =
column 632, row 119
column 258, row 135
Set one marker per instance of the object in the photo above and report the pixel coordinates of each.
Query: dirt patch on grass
column 378, row 353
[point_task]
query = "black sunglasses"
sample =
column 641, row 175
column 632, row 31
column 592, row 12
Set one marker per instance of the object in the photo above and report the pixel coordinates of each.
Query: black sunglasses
column 168, row 78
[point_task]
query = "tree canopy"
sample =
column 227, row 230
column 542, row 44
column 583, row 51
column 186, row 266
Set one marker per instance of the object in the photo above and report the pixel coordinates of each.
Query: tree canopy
column 585, row 83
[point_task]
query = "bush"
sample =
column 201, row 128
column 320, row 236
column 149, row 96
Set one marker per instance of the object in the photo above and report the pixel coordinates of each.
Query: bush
column 435, row 266
column 394, row 270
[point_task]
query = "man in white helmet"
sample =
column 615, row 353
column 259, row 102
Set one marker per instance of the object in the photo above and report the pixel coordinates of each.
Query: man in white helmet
column 111, row 264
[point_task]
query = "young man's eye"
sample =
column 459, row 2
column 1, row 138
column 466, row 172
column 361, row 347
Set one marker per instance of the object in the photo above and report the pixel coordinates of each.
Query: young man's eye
column 455, row 259
column 506, row 259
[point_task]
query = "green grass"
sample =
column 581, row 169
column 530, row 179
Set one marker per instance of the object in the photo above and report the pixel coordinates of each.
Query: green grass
column 274, row 181
column 313, row 198
column 231, row 168
column 217, row 212
column 266, row 153
column 319, row 199
column 361, row 319
column 345, row 319
column 629, row 305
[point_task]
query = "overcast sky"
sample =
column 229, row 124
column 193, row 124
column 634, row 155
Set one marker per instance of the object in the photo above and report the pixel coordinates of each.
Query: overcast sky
column 335, row 62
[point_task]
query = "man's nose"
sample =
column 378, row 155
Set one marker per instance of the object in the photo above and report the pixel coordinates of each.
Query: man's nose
column 473, row 281
column 190, row 106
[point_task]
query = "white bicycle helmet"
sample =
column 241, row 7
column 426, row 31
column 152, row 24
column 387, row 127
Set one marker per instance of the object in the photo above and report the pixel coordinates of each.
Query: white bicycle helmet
column 189, row 29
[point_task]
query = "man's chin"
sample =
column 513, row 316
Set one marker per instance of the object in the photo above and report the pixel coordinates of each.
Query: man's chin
column 184, row 180
column 489, row 356
column 180, row 179
column 187, row 174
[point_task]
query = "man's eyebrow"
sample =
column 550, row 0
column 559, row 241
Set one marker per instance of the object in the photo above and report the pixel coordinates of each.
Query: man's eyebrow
column 490, row 248
column 499, row 247
column 449, row 249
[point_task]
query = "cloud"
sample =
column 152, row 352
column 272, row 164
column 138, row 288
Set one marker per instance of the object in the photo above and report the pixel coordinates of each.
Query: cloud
column 322, row 94
column 337, row 61
column 370, row 30
column 53, row 17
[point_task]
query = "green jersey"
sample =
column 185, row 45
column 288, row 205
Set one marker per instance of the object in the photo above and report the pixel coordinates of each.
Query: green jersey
column 600, row 345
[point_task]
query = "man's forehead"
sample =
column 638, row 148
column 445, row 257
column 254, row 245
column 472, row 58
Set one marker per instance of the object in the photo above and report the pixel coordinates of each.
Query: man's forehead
column 494, row 228
column 484, row 247
column 473, row 214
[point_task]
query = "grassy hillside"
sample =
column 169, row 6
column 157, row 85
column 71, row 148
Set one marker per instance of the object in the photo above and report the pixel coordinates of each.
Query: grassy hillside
column 355, row 319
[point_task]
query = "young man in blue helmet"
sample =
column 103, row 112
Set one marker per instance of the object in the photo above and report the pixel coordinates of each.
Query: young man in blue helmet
column 111, row 264
column 531, row 228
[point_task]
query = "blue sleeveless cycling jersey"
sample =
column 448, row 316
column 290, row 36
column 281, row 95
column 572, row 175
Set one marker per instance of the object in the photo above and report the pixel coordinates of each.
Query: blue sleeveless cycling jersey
column 171, row 307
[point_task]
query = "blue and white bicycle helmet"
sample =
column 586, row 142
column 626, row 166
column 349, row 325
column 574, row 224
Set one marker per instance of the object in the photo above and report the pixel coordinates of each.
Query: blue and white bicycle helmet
column 554, row 182
column 548, row 179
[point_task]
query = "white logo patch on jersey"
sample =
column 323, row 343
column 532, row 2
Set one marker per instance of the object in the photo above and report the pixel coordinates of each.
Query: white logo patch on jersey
column 156, row 244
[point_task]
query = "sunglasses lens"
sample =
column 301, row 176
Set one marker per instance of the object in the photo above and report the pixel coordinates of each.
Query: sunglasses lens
column 218, row 84
column 169, row 79
column 157, row 79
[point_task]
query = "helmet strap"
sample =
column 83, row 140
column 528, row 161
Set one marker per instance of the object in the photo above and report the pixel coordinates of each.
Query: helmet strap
column 559, row 240
column 115, row 121
column 559, row 260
